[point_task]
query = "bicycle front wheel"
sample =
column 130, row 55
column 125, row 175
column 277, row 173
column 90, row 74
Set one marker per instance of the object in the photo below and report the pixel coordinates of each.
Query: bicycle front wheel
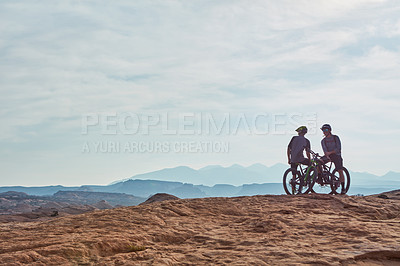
column 335, row 181
column 292, row 181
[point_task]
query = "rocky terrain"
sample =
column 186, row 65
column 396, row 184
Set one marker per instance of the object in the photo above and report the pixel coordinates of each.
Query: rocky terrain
column 258, row 230
column 21, row 207
column 84, row 197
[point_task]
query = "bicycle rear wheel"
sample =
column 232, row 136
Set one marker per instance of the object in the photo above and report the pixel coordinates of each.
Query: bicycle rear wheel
column 292, row 181
column 323, row 183
column 335, row 181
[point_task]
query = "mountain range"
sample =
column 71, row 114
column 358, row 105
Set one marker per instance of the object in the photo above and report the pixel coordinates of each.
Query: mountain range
column 211, row 175
column 215, row 181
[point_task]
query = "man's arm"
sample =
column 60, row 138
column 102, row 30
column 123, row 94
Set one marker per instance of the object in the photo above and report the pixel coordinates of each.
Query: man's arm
column 338, row 145
column 289, row 150
column 323, row 145
column 308, row 148
column 325, row 149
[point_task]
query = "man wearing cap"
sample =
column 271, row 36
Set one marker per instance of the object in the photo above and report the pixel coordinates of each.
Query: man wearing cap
column 296, row 147
column 333, row 152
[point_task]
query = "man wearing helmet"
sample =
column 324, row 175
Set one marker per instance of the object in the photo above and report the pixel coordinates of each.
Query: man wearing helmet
column 295, row 150
column 332, row 148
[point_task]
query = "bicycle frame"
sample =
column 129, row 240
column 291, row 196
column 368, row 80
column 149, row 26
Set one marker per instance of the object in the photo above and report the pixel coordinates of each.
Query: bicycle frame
column 317, row 165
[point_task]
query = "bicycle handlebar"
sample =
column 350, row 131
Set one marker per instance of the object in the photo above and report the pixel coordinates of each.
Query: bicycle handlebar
column 313, row 153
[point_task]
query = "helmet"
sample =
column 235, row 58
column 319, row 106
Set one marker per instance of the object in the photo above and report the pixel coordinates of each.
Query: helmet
column 302, row 129
column 326, row 126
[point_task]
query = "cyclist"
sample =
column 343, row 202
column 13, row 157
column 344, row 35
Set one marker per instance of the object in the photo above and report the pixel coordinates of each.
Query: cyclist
column 332, row 148
column 296, row 147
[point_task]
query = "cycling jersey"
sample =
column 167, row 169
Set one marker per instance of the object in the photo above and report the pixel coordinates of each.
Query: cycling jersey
column 331, row 143
column 297, row 145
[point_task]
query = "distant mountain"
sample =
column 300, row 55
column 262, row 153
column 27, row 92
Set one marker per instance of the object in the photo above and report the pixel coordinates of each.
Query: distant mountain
column 220, row 190
column 188, row 191
column 146, row 188
column 394, row 176
column 238, row 175
column 181, row 174
column 210, row 167
column 141, row 188
column 259, row 168
column 214, row 181
column 235, row 180
column 261, row 189
column 389, row 180
column 84, row 197
column 215, row 174
column 39, row 191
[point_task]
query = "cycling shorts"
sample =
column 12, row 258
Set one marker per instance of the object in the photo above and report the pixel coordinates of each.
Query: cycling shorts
column 336, row 159
column 305, row 162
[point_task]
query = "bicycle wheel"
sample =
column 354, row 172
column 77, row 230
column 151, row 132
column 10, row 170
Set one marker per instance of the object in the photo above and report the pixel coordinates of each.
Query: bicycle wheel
column 292, row 181
column 335, row 181
column 323, row 183
column 308, row 181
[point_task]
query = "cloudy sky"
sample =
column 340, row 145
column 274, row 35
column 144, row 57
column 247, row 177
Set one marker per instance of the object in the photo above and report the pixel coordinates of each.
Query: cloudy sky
column 76, row 74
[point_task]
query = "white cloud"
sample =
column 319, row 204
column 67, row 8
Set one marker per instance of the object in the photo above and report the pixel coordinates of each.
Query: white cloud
column 64, row 59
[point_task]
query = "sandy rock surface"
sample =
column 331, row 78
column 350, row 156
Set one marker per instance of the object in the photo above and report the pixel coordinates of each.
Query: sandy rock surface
column 258, row 230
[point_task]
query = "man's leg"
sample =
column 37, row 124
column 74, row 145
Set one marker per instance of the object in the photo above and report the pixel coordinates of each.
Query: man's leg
column 338, row 161
column 341, row 179
column 294, row 172
column 323, row 160
column 294, row 176
column 341, row 176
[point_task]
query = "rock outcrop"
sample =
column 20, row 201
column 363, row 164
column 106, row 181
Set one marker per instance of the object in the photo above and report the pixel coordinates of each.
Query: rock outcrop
column 159, row 197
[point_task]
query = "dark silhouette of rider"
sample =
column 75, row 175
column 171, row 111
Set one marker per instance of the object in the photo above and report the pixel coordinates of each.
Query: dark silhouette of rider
column 332, row 149
column 296, row 147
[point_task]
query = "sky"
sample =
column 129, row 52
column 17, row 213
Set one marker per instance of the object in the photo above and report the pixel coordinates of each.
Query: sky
column 96, row 91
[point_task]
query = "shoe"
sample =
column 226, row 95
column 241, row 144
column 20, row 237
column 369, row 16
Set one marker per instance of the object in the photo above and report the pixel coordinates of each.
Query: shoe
column 343, row 191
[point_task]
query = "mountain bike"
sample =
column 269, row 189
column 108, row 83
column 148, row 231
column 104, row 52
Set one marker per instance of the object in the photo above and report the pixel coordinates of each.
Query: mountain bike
column 302, row 179
column 327, row 181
